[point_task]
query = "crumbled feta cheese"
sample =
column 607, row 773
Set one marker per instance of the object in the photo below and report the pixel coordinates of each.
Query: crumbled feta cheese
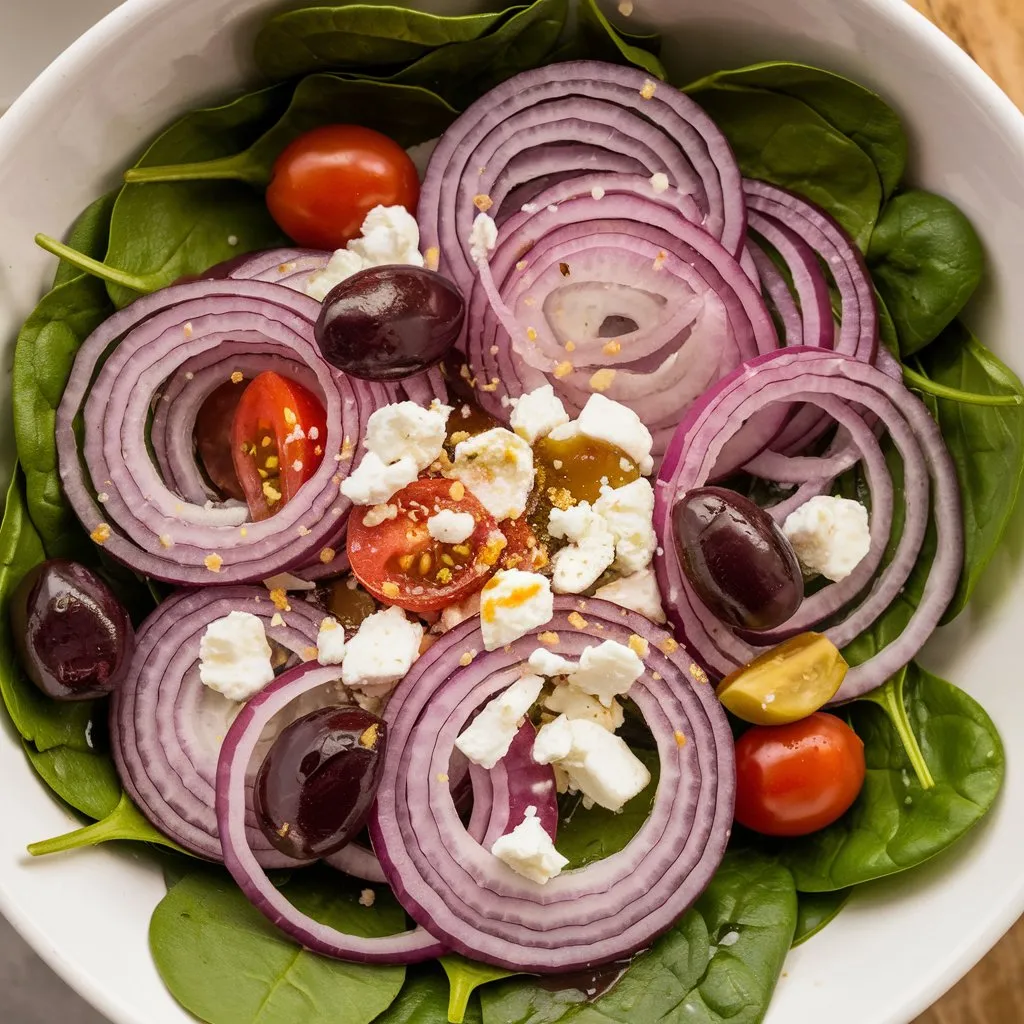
column 382, row 650
column 511, row 604
column 598, row 763
column 829, row 535
column 497, row 466
column 574, row 703
column 234, row 656
column 483, row 237
column 330, row 642
column 380, row 514
column 537, row 413
column 605, row 420
column 607, row 670
column 451, row 527
column 628, row 512
column 591, row 549
column 638, row 592
column 342, row 265
column 565, row 432
column 286, row 581
column 485, row 741
column 547, row 663
column 406, row 430
column 375, row 483
column 529, row 851
column 456, row 613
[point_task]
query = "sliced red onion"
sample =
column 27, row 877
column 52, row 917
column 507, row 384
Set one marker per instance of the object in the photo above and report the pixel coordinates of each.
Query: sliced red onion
column 858, row 397
column 289, row 267
column 459, row 891
column 166, row 726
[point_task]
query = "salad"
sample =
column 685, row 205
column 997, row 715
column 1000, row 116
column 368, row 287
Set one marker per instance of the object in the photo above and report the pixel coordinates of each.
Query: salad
column 479, row 506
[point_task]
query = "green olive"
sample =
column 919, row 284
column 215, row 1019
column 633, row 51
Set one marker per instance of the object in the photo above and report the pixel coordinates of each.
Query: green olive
column 786, row 683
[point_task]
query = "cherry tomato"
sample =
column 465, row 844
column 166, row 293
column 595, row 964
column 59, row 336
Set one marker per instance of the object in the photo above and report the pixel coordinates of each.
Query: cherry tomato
column 794, row 779
column 327, row 181
column 213, row 438
column 398, row 561
column 524, row 551
column 277, row 438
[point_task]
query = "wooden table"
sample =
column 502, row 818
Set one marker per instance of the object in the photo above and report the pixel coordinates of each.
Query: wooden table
column 992, row 32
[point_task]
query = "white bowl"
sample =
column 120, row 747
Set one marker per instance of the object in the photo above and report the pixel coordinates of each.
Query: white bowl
column 901, row 943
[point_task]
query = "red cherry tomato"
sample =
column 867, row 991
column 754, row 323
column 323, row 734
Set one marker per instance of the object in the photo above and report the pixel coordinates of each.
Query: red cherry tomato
column 797, row 778
column 524, row 551
column 327, row 181
column 213, row 438
column 401, row 564
column 277, row 439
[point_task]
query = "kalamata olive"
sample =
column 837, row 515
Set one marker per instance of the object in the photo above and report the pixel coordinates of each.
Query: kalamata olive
column 386, row 323
column 72, row 635
column 736, row 558
column 786, row 683
column 317, row 783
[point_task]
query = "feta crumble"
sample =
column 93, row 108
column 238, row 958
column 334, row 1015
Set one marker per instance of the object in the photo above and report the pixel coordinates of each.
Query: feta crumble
column 406, row 430
column 605, row 420
column 235, row 657
column 638, row 592
column 497, row 466
column 529, row 851
column 829, row 535
column 574, row 703
column 330, row 642
column 382, row 651
column 374, row 482
column 485, row 741
column 482, row 238
column 547, row 663
column 450, row 527
column 511, row 604
column 537, row 413
column 628, row 512
column 591, row 549
column 607, row 670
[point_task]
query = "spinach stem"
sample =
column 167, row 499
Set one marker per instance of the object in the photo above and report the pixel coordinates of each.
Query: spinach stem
column 95, row 267
column 889, row 697
column 226, row 168
column 916, row 380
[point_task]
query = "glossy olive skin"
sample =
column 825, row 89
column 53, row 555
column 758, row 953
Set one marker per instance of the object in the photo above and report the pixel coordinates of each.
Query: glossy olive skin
column 736, row 558
column 317, row 783
column 73, row 637
column 387, row 323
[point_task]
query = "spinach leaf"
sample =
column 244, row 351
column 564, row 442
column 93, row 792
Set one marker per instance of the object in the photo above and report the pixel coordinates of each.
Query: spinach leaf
column 719, row 963
column 895, row 824
column 926, row 260
column 310, row 39
column 464, row 978
column 424, row 1000
column 85, row 779
column 89, row 234
column 815, row 910
column 889, row 697
column 125, row 821
column 408, row 114
column 603, row 41
column 225, row 963
column 986, row 443
column 861, row 115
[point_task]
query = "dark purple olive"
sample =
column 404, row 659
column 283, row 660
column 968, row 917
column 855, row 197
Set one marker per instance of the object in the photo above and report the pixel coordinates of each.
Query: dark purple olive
column 73, row 637
column 736, row 558
column 386, row 323
column 315, row 787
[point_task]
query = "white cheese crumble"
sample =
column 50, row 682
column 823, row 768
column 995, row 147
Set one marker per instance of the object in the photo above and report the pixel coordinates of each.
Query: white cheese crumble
column 234, row 656
column 573, row 702
column 482, row 238
column 607, row 671
column 628, row 512
column 456, row 613
column 382, row 651
column 546, row 663
column 638, row 592
column 497, row 467
column 829, row 535
column 511, row 604
column 605, row 420
column 485, row 741
column 451, row 527
column 380, row 514
column 537, row 413
column 529, row 851
column 591, row 549
column 330, row 642
column 374, row 482
column 406, row 430
column 659, row 182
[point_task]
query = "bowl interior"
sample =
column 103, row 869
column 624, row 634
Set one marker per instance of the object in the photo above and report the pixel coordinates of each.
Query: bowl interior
column 900, row 943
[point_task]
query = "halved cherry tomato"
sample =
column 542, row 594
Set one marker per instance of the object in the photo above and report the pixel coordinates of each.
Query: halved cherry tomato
column 401, row 564
column 327, row 181
column 213, row 438
column 524, row 551
column 277, row 439
column 795, row 779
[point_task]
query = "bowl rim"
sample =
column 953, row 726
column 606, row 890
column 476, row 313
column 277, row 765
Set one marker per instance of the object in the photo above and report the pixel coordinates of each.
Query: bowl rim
column 900, row 17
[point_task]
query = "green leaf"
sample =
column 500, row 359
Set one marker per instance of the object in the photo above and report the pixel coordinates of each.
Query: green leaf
column 358, row 35
column 985, row 442
column 926, row 260
column 89, row 234
column 895, row 824
column 603, row 41
column 815, row 910
column 85, row 779
column 861, row 115
column 780, row 139
column 408, row 114
column 464, row 978
column 889, row 697
column 225, row 963
column 424, row 1000
column 719, row 963
column 124, row 822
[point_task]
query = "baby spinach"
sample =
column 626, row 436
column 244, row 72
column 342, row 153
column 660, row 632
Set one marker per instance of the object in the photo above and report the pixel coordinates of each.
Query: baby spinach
column 464, row 978
column 896, row 824
column 85, row 779
column 310, row 39
column 889, row 697
column 225, row 963
column 926, row 260
column 719, row 963
column 424, row 1000
column 603, row 41
column 861, row 115
column 89, row 234
column 782, row 140
column 815, row 910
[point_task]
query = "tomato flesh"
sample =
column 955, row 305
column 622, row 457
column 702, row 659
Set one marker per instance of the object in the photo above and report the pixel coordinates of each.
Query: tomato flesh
column 398, row 561
column 326, row 181
column 212, row 434
column 277, row 438
column 795, row 779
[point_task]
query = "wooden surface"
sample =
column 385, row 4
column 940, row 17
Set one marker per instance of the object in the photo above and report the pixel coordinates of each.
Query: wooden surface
column 992, row 32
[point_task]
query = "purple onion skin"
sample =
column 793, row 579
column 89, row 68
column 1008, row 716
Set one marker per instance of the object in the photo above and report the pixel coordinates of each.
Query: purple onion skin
column 73, row 637
column 318, row 782
column 388, row 323
column 736, row 558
